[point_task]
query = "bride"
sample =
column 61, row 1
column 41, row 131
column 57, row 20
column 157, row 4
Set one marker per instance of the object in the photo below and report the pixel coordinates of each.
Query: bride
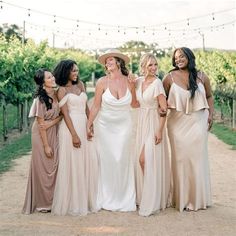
column 113, row 129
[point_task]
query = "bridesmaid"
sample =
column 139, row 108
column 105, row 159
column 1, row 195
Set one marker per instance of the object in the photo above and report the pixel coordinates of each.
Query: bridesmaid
column 76, row 184
column 44, row 161
column 152, row 156
column 191, row 109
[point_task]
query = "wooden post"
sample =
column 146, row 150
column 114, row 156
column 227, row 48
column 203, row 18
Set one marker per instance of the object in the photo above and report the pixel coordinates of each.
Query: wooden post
column 21, row 117
column 4, row 119
column 25, row 111
column 234, row 114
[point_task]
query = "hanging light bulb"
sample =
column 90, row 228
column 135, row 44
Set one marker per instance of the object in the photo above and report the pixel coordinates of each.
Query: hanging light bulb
column 213, row 17
column 1, row 5
column 188, row 22
column 99, row 27
column 77, row 25
column 54, row 19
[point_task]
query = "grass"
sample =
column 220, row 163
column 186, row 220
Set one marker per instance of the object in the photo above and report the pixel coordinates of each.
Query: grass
column 16, row 148
column 225, row 134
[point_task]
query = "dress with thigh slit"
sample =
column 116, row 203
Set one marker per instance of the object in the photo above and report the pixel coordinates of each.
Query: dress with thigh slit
column 153, row 187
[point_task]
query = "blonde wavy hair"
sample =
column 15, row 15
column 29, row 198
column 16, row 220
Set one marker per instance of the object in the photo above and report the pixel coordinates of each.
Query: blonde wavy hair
column 144, row 60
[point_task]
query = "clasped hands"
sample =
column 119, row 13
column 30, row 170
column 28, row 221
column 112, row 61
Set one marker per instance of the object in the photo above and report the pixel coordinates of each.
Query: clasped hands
column 90, row 132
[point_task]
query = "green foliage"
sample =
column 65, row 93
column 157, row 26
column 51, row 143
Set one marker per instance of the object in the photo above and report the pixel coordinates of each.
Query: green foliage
column 10, row 31
column 219, row 66
column 11, row 119
column 18, row 64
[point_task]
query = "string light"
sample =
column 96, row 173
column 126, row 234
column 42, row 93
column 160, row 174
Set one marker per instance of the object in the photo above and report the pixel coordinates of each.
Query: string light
column 115, row 26
column 138, row 29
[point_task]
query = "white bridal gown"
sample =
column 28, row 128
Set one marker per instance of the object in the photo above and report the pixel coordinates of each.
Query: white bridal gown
column 113, row 130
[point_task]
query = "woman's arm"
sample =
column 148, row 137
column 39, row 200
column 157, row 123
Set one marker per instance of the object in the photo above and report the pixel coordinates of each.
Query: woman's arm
column 167, row 84
column 163, row 106
column 132, row 84
column 81, row 86
column 47, row 124
column 210, row 100
column 47, row 149
column 75, row 138
column 99, row 90
column 134, row 102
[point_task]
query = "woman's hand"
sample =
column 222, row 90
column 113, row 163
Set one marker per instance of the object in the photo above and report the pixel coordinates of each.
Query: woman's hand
column 162, row 112
column 90, row 132
column 158, row 137
column 48, row 151
column 76, row 141
column 210, row 121
column 44, row 125
column 132, row 78
column 60, row 117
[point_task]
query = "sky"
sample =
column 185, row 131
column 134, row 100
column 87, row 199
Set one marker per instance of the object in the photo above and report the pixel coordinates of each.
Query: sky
column 97, row 24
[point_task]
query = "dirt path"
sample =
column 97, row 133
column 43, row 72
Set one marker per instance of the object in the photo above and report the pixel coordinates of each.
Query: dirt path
column 218, row 220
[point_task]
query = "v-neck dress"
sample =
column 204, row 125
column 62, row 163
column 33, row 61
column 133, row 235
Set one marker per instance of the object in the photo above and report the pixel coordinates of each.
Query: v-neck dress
column 153, row 188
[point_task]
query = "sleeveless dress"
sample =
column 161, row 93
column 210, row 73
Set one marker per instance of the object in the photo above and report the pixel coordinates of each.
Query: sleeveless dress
column 113, row 130
column 43, row 170
column 153, row 188
column 187, row 130
column 76, row 184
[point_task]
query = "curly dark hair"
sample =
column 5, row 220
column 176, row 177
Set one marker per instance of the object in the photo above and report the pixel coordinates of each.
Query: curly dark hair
column 41, row 92
column 62, row 72
column 191, row 68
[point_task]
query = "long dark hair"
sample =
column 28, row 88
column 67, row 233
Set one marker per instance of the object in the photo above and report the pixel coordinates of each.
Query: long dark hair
column 62, row 72
column 121, row 63
column 191, row 68
column 41, row 92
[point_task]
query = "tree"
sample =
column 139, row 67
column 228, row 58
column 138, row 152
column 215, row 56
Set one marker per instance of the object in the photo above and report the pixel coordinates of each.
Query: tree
column 11, row 31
